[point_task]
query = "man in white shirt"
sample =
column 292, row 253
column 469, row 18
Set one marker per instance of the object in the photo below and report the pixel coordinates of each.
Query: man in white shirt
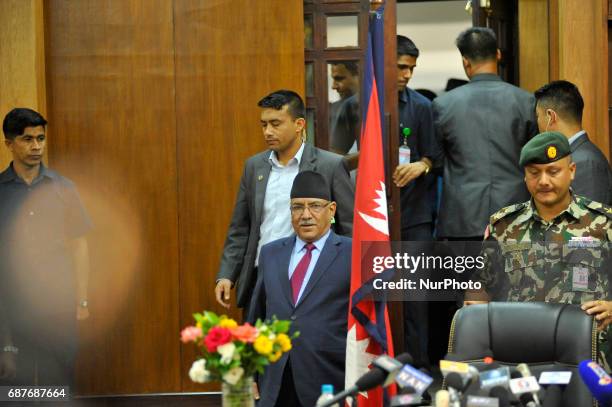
column 261, row 212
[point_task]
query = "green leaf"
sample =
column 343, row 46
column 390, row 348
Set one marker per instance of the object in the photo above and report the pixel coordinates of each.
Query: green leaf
column 282, row 327
column 211, row 318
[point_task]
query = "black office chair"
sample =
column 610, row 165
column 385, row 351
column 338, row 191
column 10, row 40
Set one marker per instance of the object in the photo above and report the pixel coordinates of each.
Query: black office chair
column 546, row 336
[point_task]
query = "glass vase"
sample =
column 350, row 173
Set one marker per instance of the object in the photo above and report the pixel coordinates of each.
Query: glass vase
column 239, row 394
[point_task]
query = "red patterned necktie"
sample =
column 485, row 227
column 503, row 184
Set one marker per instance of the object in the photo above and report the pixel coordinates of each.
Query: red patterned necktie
column 297, row 278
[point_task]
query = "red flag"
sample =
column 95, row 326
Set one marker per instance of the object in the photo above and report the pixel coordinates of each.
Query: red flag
column 369, row 333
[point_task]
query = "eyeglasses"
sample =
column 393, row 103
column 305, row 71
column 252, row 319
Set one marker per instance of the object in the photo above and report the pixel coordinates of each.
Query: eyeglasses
column 314, row 208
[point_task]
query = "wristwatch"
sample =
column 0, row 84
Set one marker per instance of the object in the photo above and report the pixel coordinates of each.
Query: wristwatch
column 11, row 349
column 84, row 304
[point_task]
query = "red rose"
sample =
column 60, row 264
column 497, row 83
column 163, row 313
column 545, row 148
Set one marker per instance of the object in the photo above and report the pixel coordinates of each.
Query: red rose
column 217, row 336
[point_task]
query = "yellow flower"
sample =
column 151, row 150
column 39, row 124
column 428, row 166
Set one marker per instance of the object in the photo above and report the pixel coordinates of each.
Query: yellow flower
column 275, row 356
column 228, row 323
column 284, row 342
column 263, row 345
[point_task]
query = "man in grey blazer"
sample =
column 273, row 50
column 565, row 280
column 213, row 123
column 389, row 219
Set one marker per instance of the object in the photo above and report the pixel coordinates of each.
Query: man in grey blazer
column 481, row 128
column 261, row 212
column 559, row 107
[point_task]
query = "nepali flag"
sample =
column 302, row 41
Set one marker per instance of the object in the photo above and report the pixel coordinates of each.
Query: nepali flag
column 369, row 334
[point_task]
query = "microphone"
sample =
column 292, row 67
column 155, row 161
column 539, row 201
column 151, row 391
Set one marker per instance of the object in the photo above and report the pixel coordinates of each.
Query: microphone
column 528, row 400
column 415, row 380
column 524, row 370
column 555, row 383
column 597, row 380
column 376, row 376
column 442, row 398
column 454, row 381
column 501, row 393
column 553, row 396
column 490, row 363
column 495, row 377
column 404, row 400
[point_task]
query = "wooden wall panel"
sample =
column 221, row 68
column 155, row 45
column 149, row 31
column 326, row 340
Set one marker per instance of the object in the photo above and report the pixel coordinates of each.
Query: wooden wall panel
column 22, row 67
column 583, row 59
column 533, row 43
column 229, row 54
column 112, row 114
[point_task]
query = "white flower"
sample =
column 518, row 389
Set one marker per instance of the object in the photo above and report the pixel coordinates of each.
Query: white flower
column 198, row 372
column 233, row 375
column 227, row 352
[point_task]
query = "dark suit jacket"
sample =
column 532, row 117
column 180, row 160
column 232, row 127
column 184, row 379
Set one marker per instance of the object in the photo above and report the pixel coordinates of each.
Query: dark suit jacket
column 481, row 128
column 318, row 354
column 593, row 176
column 240, row 250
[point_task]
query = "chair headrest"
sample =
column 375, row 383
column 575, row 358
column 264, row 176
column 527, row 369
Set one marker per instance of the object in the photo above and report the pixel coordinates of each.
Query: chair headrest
column 524, row 333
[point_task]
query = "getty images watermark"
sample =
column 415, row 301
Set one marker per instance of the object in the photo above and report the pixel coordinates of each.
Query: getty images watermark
column 421, row 271
column 438, row 271
column 406, row 263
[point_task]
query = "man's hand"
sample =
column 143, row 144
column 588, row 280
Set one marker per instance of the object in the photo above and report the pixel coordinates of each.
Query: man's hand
column 222, row 292
column 255, row 391
column 405, row 173
column 467, row 303
column 82, row 313
column 602, row 310
column 8, row 365
column 473, row 297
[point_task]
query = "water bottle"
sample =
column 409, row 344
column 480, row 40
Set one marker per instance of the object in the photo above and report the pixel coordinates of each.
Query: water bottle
column 327, row 393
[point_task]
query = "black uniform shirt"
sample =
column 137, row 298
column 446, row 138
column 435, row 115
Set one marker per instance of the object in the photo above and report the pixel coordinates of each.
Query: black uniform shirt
column 37, row 222
column 415, row 113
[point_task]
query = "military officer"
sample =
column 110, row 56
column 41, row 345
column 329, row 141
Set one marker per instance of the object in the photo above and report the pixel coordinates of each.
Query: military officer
column 553, row 248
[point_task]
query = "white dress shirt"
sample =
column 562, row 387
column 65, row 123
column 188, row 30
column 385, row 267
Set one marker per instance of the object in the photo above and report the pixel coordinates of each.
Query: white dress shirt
column 575, row 136
column 276, row 218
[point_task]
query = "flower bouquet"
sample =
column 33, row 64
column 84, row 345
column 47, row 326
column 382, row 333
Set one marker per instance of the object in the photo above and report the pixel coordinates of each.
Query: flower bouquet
column 233, row 353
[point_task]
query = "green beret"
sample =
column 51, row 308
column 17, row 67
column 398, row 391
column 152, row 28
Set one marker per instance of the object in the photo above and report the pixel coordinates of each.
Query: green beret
column 545, row 148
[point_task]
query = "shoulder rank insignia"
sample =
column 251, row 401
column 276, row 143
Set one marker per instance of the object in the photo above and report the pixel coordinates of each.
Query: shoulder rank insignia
column 508, row 210
column 599, row 207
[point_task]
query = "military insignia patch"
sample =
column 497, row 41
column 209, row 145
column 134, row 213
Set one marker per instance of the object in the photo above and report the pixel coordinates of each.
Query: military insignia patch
column 551, row 152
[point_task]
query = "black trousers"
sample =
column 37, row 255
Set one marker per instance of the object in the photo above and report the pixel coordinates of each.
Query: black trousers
column 287, row 397
column 416, row 313
column 47, row 352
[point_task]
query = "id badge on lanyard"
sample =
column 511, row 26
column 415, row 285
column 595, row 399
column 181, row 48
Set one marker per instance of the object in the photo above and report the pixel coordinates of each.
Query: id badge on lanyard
column 404, row 150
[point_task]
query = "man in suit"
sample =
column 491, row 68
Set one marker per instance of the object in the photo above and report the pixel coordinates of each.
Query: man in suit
column 305, row 278
column 559, row 107
column 261, row 212
column 481, row 128
column 344, row 113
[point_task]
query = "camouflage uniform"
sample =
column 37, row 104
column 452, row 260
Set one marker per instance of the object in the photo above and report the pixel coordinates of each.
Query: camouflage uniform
column 538, row 258
column 529, row 259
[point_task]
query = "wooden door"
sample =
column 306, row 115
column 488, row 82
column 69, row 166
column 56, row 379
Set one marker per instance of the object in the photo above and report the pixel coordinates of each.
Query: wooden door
column 152, row 112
